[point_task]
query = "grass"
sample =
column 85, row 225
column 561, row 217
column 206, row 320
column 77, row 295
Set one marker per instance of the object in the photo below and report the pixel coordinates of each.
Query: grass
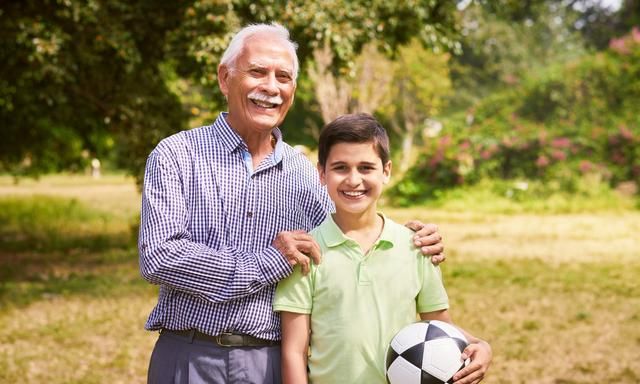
column 517, row 197
column 555, row 292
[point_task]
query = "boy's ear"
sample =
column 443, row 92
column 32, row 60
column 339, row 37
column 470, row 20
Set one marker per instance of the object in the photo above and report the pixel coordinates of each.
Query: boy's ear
column 321, row 173
column 386, row 170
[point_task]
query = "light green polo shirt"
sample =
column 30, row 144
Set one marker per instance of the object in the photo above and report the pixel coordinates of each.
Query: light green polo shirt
column 357, row 302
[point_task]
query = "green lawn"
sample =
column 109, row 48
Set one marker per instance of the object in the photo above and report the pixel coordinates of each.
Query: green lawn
column 557, row 295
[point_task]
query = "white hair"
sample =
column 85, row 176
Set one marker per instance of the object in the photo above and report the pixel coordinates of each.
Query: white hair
column 237, row 43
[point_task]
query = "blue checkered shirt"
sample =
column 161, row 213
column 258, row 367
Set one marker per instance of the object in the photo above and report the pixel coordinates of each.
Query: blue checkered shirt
column 207, row 223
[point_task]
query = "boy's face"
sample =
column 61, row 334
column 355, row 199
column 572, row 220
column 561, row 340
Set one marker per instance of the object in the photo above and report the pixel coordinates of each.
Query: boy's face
column 354, row 176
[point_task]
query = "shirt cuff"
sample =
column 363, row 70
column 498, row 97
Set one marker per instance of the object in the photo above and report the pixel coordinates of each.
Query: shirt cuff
column 274, row 266
column 433, row 307
column 283, row 307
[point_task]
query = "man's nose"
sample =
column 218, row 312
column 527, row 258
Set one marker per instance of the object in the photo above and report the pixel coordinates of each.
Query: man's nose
column 270, row 84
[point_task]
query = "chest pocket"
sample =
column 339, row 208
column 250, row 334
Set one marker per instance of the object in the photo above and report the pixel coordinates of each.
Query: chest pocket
column 283, row 205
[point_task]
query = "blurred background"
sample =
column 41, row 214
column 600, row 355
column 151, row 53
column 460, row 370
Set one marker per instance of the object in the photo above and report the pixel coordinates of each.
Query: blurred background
column 514, row 126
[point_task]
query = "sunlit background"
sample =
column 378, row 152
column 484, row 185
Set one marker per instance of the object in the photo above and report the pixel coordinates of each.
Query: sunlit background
column 514, row 127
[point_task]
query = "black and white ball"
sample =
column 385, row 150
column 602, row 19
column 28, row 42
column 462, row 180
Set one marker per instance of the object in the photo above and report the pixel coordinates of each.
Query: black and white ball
column 426, row 352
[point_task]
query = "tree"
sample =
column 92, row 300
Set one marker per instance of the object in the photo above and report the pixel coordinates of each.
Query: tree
column 333, row 93
column 348, row 25
column 505, row 40
column 89, row 78
column 421, row 84
column 81, row 79
column 330, row 37
column 598, row 23
column 405, row 90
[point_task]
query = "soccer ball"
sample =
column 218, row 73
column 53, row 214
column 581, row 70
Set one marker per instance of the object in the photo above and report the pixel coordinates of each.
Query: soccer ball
column 426, row 352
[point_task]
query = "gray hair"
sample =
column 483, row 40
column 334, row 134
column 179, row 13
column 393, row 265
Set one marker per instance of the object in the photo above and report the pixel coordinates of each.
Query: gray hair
column 237, row 43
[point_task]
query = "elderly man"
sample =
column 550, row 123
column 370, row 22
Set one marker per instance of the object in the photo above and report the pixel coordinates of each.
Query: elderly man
column 225, row 211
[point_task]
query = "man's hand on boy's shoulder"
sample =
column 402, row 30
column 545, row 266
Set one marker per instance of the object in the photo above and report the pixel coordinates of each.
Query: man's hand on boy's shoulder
column 428, row 239
column 298, row 247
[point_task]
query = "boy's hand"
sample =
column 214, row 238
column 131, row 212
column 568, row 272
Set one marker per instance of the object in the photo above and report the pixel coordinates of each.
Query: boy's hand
column 428, row 239
column 298, row 247
column 480, row 354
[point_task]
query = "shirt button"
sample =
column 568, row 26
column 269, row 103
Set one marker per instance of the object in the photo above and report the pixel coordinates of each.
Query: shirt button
column 249, row 214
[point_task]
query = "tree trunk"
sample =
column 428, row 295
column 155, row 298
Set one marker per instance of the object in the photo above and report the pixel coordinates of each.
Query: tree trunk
column 333, row 94
column 407, row 147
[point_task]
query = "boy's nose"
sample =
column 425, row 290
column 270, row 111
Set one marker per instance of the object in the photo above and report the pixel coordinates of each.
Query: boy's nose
column 354, row 179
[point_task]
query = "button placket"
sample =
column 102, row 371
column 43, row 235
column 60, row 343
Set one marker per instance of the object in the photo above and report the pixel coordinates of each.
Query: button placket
column 364, row 278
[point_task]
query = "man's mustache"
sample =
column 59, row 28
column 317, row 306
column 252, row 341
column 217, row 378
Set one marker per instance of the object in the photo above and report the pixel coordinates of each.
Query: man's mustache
column 265, row 98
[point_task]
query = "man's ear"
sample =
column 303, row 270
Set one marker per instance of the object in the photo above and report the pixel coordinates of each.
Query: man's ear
column 293, row 94
column 321, row 173
column 386, row 170
column 223, row 78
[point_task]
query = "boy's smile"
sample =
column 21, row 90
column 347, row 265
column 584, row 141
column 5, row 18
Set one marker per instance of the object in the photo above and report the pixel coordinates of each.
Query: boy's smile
column 354, row 176
column 354, row 194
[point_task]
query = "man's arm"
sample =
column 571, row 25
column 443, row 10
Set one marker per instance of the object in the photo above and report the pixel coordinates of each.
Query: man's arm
column 295, row 344
column 170, row 257
column 428, row 239
column 479, row 351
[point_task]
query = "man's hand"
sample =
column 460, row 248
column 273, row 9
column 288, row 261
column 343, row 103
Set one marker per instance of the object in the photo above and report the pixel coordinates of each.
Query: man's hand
column 428, row 239
column 298, row 247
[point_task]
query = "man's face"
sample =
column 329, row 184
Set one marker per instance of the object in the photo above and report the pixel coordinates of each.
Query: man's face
column 259, row 86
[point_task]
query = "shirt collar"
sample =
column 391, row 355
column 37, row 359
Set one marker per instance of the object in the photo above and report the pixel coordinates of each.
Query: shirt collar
column 278, row 149
column 232, row 141
column 333, row 235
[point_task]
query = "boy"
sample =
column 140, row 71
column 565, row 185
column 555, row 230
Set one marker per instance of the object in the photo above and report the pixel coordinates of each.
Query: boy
column 371, row 281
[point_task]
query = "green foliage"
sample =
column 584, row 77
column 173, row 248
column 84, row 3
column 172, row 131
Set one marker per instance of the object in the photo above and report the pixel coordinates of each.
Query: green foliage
column 197, row 45
column 575, row 120
column 419, row 85
column 81, row 79
column 304, row 120
column 504, row 41
column 348, row 25
column 599, row 23
column 98, row 78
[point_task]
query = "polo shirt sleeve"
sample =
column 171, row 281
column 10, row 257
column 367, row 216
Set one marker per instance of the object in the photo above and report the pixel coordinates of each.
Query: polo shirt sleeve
column 295, row 293
column 433, row 295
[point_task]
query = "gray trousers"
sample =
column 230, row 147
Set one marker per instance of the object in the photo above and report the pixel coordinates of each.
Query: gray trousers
column 178, row 360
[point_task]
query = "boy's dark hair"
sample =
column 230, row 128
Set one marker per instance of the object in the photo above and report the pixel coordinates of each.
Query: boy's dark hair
column 354, row 128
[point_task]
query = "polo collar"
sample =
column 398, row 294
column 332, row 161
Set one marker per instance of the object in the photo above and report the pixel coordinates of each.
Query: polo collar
column 333, row 235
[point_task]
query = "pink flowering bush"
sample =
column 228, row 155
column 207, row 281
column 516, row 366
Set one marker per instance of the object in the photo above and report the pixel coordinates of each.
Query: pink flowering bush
column 577, row 120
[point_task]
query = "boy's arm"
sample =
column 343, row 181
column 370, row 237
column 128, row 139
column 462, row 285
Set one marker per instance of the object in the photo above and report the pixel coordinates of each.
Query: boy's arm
column 295, row 344
column 479, row 351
